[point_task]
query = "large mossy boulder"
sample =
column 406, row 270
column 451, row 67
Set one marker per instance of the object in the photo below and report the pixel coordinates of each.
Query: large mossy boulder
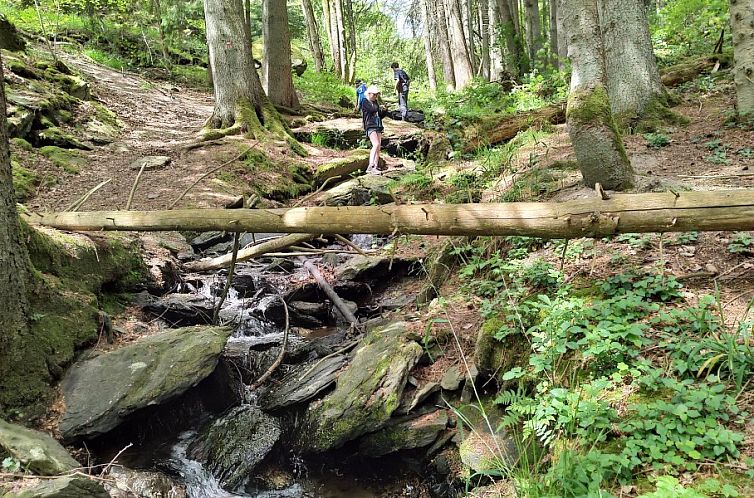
column 362, row 191
column 232, row 446
column 71, row 270
column 366, row 393
column 10, row 38
column 101, row 392
column 343, row 167
column 63, row 487
column 36, row 451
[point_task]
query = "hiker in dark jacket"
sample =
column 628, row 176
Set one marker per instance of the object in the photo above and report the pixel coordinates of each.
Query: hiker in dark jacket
column 372, row 115
column 401, row 88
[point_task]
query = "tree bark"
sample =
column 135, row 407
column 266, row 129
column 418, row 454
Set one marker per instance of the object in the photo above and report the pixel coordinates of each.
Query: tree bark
column 722, row 210
column 515, row 61
column 595, row 137
column 633, row 81
column 351, row 40
column 554, row 52
column 14, row 260
column 533, row 28
column 496, row 37
column 312, row 31
column 327, row 16
column 443, row 40
column 277, row 55
column 340, row 27
column 484, row 34
column 562, row 38
column 742, row 23
column 459, row 50
column 426, row 35
column 235, row 79
column 468, row 18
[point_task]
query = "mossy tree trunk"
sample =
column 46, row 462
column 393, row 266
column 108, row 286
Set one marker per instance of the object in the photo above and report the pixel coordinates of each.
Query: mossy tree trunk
column 15, row 268
column 742, row 22
column 595, row 137
column 277, row 55
column 633, row 80
column 313, row 35
column 448, row 71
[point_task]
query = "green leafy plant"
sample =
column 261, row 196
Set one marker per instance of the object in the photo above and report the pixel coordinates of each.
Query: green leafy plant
column 741, row 243
column 657, row 140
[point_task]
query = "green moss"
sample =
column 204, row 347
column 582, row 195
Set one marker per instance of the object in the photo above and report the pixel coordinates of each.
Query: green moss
column 70, row 161
column 657, row 116
column 21, row 144
column 495, row 357
column 24, row 181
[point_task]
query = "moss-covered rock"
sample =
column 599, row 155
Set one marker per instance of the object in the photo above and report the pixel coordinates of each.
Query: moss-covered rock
column 494, row 357
column 405, row 433
column 232, row 446
column 71, row 161
column 54, row 136
column 36, row 451
column 63, row 487
column 483, row 452
column 101, row 392
column 361, row 191
column 366, row 393
column 21, row 144
column 358, row 161
column 24, row 180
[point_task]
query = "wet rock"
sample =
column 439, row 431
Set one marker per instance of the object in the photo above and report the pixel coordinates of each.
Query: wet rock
column 373, row 270
column 308, row 315
column 232, row 446
column 411, row 116
column 361, row 191
column 63, row 487
column 10, row 38
column 451, row 379
column 129, row 483
column 366, row 393
column 182, row 309
column 206, row 240
column 255, row 354
column 101, row 392
column 303, row 383
column 418, row 395
column 36, row 451
column 279, row 265
column 404, row 434
column 150, row 163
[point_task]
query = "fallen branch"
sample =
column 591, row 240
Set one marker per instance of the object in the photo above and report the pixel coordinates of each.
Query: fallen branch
column 508, row 127
column 320, row 189
column 213, row 170
column 136, row 184
column 279, row 359
column 350, row 244
column 327, row 288
column 110, row 464
column 81, row 200
column 229, row 281
column 249, row 252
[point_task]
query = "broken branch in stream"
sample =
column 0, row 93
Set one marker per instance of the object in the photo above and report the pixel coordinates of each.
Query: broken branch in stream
column 250, row 252
column 279, row 359
column 327, row 288
column 229, row 281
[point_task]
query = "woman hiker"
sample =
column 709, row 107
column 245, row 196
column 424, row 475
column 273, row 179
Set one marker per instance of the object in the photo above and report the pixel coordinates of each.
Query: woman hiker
column 372, row 115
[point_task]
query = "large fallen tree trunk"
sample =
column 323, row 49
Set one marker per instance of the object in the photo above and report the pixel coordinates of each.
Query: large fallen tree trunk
column 507, row 128
column 690, row 69
column 664, row 212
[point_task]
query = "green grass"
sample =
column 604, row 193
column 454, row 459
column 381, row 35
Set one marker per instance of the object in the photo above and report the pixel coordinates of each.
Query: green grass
column 323, row 87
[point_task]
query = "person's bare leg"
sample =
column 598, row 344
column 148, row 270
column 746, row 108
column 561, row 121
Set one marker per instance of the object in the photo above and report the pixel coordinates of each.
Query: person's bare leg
column 374, row 155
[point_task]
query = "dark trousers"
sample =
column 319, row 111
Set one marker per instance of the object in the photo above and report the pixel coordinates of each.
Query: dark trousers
column 403, row 103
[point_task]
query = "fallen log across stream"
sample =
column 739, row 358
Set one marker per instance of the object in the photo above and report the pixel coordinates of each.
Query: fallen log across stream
column 727, row 210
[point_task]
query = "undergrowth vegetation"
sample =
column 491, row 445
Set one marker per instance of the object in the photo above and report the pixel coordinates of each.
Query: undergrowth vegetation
column 632, row 383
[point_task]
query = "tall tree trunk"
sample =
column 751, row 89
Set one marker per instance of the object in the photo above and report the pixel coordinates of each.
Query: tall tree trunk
column 161, row 32
column 554, row 53
column 341, row 30
column 351, row 39
column 428, row 46
column 562, row 38
column 235, row 79
column 448, row 70
column 484, row 33
column 496, row 50
column 247, row 19
column 469, row 18
column 595, row 137
column 533, row 28
column 460, row 53
column 312, row 31
column 14, row 260
column 277, row 55
column 515, row 60
column 327, row 17
column 633, row 80
column 742, row 23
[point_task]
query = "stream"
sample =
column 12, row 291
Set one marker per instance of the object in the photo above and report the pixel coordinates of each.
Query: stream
column 254, row 309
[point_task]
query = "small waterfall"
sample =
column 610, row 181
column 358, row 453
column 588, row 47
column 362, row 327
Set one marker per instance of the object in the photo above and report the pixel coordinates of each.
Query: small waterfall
column 200, row 483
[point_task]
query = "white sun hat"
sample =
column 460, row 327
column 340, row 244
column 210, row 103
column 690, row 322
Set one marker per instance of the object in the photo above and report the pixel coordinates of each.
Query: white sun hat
column 373, row 89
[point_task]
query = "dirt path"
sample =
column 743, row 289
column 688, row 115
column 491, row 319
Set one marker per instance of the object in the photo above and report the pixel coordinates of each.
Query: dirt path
column 156, row 122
